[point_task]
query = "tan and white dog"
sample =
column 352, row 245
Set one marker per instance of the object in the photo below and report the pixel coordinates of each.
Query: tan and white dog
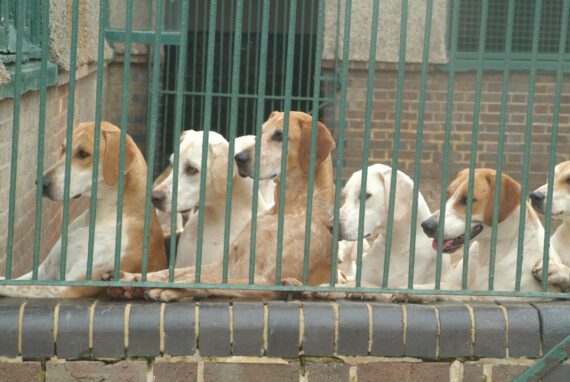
column 297, row 182
column 188, row 198
column 480, row 229
column 376, row 221
column 106, row 219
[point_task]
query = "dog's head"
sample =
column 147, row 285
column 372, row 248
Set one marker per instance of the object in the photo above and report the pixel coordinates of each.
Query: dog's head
column 190, row 167
column 482, row 208
column 81, row 170
column 299, row 149
column 377, row 201
column 560, row 193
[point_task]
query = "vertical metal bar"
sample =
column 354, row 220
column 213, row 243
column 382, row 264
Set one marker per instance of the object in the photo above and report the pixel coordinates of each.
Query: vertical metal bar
column 502, row 137
column 152, row 136
column 419, row 140
column 285, row 144
column 396, row 148
column 367, row 128
column 274, row 61
column 41, row 137
column 69, row 138
column 474, row 139
column 231, row 60
column 180, row 82
column 103, row 5
column 341, row 135
column 221, row 98
column 194, row 59
column 314, row 129
column 204, row 57
column 236, row 57
column 123, row 142
column 206, row 128
column 310, row 55
column 15, row 138
column 257, row 62
column 447, row 138
column 281, row 105
column 554, row 140
column 527, row 139
column 259, row 118
column 302, row 63
column 247, row 66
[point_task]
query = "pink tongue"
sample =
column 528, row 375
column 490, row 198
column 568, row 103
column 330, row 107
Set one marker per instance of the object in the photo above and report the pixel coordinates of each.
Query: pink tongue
column 446, row 244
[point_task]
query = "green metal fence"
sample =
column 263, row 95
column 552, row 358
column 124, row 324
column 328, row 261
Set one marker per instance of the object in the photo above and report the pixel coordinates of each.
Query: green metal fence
column 224, row 66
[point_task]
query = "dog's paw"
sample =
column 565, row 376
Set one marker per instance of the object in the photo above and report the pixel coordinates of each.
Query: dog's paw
column 291, row 281
column 126, row 292
column 558, row 274
column 163, row 295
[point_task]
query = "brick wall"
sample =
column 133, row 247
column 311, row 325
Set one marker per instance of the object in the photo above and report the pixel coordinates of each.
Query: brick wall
column 55, row 131
column 276, row 341
column 383, row 120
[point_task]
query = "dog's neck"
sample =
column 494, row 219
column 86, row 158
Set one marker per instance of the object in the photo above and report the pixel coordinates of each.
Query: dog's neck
column 134, row 195
column 561, row 241
column 508, row 234
column 297, row 185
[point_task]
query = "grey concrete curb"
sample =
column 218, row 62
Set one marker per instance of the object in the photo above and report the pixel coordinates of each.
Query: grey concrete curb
column 440, row 331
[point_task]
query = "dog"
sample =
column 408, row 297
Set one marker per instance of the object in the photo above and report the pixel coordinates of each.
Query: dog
column 480, row 231
column 376, row 221
column 560, row 240
column 297, row 182
column 105, row 224
column 215, row 202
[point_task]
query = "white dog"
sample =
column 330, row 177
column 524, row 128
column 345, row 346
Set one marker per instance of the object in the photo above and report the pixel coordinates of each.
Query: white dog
column 375, row 223
column 560, row 208
column 215, row 202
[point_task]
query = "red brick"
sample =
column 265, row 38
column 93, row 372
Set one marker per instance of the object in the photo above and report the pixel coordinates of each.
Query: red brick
column 20, row 371
column 175, row 371
column 245, row 372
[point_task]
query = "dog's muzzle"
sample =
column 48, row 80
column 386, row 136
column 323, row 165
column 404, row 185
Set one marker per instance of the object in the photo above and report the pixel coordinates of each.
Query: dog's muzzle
column 242, row 161
column 537, row 199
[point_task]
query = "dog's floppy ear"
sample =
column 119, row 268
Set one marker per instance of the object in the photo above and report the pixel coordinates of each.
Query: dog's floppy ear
column 272, row 114
column 324, row 145
column 404, row 193
column 111, row 155
column 509, row 200
column 218, row 166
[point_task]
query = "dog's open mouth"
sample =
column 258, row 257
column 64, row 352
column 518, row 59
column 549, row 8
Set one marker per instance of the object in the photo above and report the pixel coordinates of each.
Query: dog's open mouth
column 451, row 245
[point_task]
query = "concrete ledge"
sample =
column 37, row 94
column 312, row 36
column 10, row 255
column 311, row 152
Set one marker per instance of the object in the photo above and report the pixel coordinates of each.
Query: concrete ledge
column 41, row 329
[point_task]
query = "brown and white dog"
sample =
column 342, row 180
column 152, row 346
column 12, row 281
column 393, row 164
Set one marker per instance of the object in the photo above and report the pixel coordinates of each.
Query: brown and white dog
column 481, row 222
column 297, row 182
column 105, row 225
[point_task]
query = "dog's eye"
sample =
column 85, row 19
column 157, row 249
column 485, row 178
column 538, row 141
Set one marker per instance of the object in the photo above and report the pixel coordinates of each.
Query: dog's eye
column 568, row 180
column 82, row 154
column 368, row 195
column 191, row 170
column 464, row 201
column 277, row 136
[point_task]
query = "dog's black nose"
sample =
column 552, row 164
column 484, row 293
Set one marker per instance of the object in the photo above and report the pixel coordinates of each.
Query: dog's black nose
column 46, row 183
column 242, row 157
column 157, row 197
column 537, row 197
column 429, row 226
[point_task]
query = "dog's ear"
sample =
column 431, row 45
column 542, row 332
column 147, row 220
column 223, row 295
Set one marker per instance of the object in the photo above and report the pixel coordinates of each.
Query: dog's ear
column 218, row 166
column 272, row 114
column 404, row 194
column 324, row 145
column 508, row 201
column 111, row 156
